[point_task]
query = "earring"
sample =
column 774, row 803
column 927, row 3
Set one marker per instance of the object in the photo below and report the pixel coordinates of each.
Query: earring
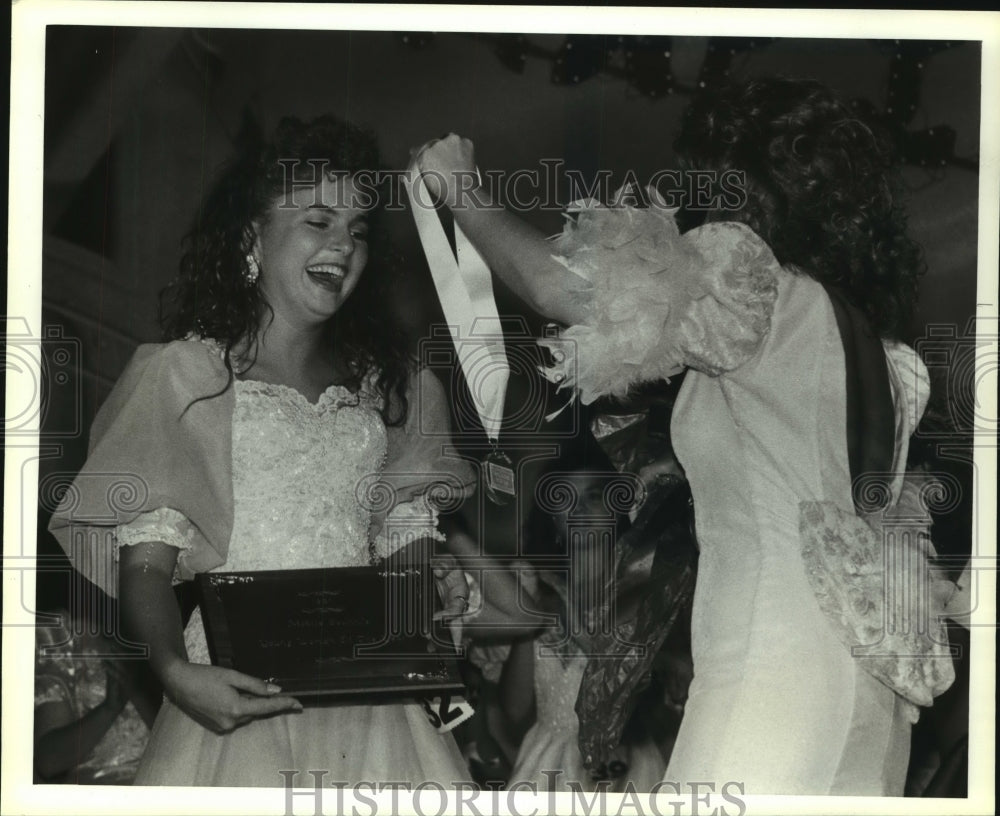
column 252, row 272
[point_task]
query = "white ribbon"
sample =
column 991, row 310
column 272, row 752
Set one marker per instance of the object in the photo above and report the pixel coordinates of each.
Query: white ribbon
column 465, row 290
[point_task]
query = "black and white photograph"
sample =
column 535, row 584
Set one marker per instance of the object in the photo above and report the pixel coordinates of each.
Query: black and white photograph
column 451, row 409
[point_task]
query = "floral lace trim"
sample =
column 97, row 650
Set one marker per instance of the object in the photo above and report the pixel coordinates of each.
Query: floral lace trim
column 335, row 394
column 406, row 522
column 879, row 592
column 163, row 524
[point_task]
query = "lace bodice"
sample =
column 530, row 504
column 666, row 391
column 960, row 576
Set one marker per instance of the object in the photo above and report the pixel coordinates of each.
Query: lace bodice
column 296, row 467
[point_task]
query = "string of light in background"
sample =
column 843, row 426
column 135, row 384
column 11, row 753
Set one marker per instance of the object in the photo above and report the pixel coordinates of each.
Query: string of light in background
column 646, row 64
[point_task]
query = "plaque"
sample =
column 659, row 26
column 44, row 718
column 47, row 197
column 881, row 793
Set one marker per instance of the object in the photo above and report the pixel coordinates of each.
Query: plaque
column 352, row 632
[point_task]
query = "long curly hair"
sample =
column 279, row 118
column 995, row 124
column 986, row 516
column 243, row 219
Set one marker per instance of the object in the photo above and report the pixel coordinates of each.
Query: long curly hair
column 211, row 296
column 822, row 188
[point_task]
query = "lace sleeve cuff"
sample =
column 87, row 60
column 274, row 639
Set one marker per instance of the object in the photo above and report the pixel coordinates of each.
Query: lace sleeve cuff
column 163, row 524
column 407, row 522
column 659, row 301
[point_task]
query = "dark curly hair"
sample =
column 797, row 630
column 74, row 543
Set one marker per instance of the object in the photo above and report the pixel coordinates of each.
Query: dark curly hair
column 822, row 188
column 211, row 297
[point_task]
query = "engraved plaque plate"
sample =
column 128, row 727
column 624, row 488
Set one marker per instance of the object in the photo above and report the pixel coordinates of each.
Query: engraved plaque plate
column 360, row 632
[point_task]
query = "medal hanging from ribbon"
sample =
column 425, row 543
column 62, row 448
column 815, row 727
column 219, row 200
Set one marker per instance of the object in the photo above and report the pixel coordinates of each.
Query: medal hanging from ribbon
column 465, row 290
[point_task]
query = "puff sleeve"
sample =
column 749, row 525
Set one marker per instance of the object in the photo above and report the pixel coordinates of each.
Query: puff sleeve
column 162, row 439
column 658, row 301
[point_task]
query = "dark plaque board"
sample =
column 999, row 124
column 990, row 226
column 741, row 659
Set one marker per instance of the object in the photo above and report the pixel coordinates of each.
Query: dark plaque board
column 354, row 632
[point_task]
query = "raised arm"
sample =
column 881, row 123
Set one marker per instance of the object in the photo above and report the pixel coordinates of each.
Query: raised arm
column 641, row 300
column 517, row 252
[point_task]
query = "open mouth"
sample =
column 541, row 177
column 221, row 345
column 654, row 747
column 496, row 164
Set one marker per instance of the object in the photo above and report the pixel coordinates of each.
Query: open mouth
column 329, row 276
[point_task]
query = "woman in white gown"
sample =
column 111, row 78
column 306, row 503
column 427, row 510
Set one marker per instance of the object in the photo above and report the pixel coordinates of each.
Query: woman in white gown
column 549, row 758
column 797, row 388
column 242, row 443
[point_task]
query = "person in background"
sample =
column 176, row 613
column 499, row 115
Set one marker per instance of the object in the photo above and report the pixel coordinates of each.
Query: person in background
column 93, row 707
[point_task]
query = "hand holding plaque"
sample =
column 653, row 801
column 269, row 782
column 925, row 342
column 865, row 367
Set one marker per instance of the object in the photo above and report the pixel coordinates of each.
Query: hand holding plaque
column 360, row 632
column 222, row 699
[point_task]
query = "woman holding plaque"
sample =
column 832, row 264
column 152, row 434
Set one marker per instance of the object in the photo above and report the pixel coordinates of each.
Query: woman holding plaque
column 243, row 440
column 787, row 308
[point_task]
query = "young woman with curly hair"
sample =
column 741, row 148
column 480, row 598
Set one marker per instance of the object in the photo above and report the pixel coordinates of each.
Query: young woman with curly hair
column 209, row 300
column 241, row 442
column 792, row 424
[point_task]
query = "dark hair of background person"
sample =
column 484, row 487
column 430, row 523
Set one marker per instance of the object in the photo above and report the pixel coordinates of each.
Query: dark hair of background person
column 822, row 188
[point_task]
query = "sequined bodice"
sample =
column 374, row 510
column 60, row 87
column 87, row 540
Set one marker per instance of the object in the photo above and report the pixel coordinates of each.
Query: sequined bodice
column 557, row 685
column 296, row 466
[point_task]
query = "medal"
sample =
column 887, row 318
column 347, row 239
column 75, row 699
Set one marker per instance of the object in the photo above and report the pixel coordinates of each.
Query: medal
column 499, row 477
column 465, row 289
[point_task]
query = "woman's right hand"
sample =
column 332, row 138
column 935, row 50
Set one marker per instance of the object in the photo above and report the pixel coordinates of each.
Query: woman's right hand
column 223, row 699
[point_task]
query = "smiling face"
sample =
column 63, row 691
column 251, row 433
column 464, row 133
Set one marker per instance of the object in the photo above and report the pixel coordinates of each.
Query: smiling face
column 313, row 247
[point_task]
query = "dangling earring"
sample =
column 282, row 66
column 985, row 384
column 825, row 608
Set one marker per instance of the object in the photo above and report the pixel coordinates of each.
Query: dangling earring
column 252, row 272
